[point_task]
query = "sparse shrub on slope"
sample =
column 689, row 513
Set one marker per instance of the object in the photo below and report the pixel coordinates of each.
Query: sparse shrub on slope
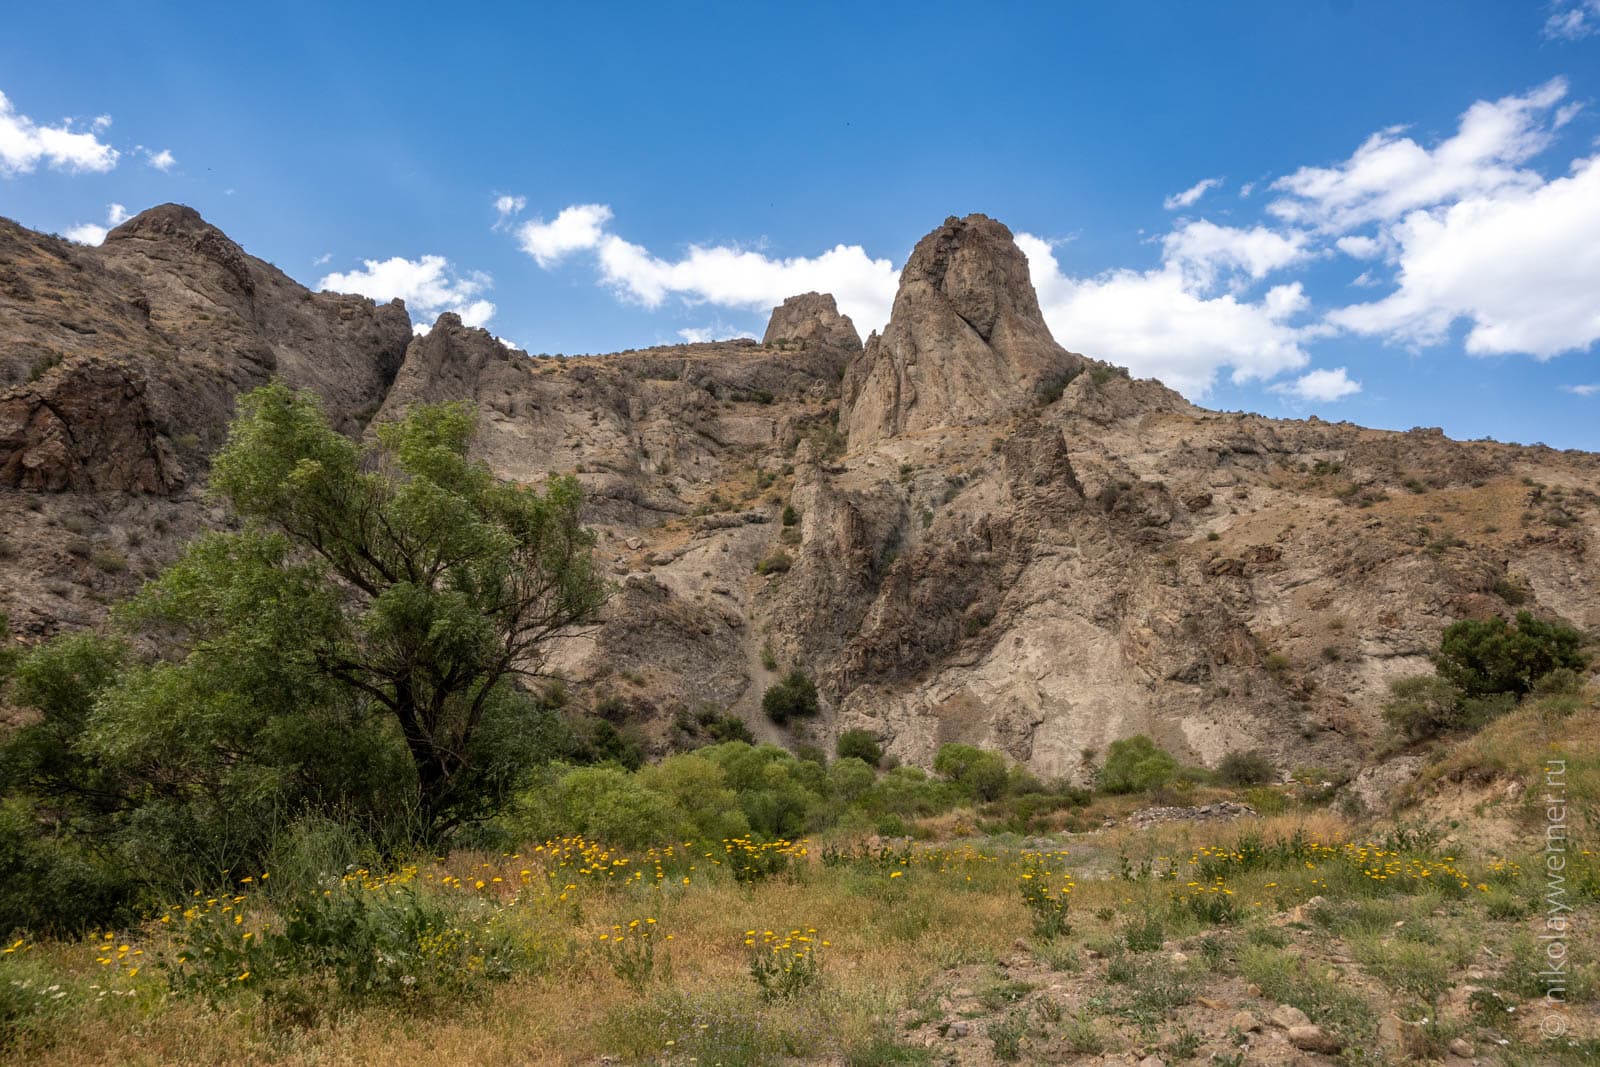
column 1245, row 768
column 1135, row 764
column 793, row 698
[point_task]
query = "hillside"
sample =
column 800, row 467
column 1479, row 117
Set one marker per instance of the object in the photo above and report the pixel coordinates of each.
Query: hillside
column 995, row 540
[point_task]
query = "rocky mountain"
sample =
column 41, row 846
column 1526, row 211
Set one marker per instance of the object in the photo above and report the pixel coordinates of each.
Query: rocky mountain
column 993, row 540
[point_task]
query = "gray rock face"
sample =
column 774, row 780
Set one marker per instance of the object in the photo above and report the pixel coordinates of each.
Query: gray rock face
column 812, row 318
column 966, row 342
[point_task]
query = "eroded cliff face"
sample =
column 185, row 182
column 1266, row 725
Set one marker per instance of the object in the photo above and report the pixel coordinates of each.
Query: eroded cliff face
column 993, row 540
column 119, row 367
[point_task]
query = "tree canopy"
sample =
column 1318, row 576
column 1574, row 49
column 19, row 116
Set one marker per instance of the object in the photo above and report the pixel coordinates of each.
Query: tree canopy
column 347, row 648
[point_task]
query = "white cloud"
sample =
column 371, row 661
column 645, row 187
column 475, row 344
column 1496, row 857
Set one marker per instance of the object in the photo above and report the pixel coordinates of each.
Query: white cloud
column 1159, row 324
column 101, row 122
column 1191, row 194
column 162, row 160
column 326, row 257
column 86, row 233
column 89, row 233
column 1206, row 252
column 578, row 228
column 722, row 275
column 24, row 144
column 505, row 207
column 696, row 335
column 1573, row 22
column 1359, row 247
column 1389, row 174
column 1588, row 389
column 1521, row 265
column 427, row 285
column 1323, row 386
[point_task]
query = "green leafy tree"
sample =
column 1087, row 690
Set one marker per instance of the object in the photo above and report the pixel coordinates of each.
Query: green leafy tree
column 350, row 651
column 1135, row 764
column 418, row 582
column 1482, row 657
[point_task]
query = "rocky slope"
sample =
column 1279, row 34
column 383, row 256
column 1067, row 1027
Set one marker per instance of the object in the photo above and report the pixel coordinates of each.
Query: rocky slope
column 994, row 540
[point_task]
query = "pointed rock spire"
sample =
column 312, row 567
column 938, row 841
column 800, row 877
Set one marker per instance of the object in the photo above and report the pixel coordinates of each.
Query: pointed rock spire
column 966, row 341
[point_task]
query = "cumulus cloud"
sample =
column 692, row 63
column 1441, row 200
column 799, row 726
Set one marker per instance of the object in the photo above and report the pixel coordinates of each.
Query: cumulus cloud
column 1208, row 253
column 1573, row 21
column 1391, row 174
column 1359, row 246
column 24, row 145
column 428, row 285
column 721, row 275
column 576, row 229
column 1521, row 265
column 1188, row 197
column 89, row 233
column 162, row 160
column 1321, row 386
column 1587, row 389
column 1159, row 323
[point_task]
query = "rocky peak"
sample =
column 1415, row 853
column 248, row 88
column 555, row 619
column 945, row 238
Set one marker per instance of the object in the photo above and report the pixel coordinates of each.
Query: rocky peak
column 182, row 227
column 812, row 318
column 966, row 342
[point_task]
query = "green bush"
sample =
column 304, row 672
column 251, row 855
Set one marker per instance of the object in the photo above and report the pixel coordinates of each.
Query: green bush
column 861, row 745
column 980, row 774
column 793, row 698
column 1489, row 656
column 790, row 516
column 1245, row 768
column 613, row 806
column 1423, row 706
column 1135, row 764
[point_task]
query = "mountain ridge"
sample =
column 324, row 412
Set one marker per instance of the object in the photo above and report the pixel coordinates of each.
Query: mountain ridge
column 995, row 540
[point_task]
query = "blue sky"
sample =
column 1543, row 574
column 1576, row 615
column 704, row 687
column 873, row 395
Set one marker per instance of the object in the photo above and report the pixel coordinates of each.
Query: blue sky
column 1403, row 225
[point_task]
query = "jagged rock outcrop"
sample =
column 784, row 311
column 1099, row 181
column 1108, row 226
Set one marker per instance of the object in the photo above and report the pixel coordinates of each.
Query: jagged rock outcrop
column 196, row 317
column 1016, row 547
column 966, row 342
column 119, row 368
column 812, row 318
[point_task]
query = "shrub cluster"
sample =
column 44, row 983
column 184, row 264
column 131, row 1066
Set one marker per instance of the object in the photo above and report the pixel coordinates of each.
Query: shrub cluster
column 793, row 698
column 1135, row 765
column 1484, row 667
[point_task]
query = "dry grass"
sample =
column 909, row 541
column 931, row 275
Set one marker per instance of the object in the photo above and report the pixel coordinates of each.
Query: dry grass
column 902, row 936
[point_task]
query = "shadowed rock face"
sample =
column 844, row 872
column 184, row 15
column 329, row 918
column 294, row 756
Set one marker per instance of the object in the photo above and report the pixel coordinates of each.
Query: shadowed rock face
column 966, row 342
column 1037, row 571
column 84, row 426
